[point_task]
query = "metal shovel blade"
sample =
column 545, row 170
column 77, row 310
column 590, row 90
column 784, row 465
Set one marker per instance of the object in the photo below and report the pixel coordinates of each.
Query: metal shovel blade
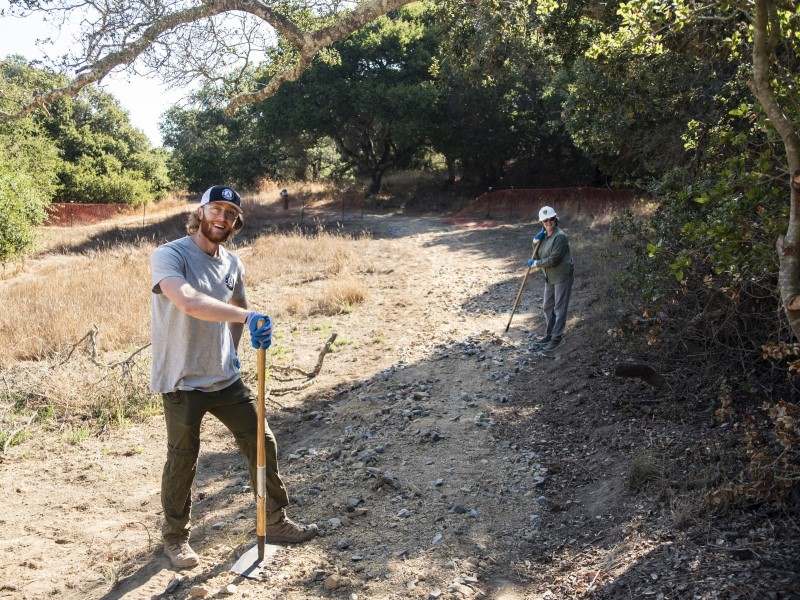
column 251, row 566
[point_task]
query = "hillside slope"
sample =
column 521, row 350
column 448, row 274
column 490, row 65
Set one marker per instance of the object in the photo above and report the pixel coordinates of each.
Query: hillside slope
column 441, row 457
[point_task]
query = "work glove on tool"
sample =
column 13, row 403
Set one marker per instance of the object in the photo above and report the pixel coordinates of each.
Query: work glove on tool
column 533, row 263
column 540, row 236
column 260, row 337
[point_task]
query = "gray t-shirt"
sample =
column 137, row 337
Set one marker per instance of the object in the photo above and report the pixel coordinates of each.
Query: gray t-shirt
column 188, row 353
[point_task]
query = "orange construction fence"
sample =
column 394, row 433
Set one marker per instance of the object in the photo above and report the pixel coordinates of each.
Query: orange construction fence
column 70, row 214
column 505, row 205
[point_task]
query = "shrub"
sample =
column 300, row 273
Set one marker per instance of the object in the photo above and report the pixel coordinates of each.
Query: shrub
column 27, row 183
column 85, row 181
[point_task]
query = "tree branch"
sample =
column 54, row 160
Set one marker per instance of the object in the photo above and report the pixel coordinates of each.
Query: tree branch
column 760, row 85
column 787, row 245
column 310, row 376
column 307, row 44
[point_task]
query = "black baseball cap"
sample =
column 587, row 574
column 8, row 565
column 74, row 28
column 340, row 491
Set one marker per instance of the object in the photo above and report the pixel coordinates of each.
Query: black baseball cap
column 221, row 193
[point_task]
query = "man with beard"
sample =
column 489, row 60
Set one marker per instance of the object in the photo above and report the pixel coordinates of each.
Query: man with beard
column 199, row 311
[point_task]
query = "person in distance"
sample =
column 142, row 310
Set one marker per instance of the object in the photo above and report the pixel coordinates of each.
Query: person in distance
column 554, row 259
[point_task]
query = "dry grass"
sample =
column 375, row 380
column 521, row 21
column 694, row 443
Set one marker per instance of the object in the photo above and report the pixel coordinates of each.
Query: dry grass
column 60, row 298
column 64, row 297
column 74, row 395
column 645, row 471
column 308, row 274
column 269, row 192
column 54, row 375
column 341, row 296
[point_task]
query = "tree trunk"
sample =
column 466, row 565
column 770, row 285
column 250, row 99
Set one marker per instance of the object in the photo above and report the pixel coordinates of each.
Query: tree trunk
column 788, row 245
column 376, row 177
column 451, row 170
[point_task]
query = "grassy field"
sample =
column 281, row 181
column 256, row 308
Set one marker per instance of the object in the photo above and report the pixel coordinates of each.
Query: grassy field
column 76, row 339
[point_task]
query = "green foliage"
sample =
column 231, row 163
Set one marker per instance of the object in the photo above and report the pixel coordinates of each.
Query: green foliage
column 322, row 162
column 22, row 80
column 710, row 233
column 706, row 259
column 101, row 157
column 367, row 103
column 210, row 147
column 501, row 101
column 704, row 270
column 21, row 211
column 722, row 210
column 28, row 163
column 376, row 101
column 88, row 180
column 106, row 159
column 27, row 183
column 153, row 165
column 628, row 116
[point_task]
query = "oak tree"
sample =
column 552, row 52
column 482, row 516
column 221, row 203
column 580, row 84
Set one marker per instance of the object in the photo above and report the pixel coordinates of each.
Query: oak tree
column 185, row 40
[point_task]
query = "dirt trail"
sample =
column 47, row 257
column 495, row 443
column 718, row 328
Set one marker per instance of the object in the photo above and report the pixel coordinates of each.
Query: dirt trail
column 439, row 455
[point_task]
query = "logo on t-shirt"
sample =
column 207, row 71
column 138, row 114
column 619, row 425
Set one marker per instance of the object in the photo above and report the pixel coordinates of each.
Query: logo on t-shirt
column 229, row 281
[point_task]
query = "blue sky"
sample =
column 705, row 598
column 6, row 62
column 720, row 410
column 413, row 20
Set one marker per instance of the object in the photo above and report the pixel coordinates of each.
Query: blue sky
column 144, row 99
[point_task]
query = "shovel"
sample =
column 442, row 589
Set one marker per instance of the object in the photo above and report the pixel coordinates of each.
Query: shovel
column 250, row 564
column 522, row 285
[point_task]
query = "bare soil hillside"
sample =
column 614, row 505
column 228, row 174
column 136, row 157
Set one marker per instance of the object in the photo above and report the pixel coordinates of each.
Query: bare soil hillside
column 441, row 456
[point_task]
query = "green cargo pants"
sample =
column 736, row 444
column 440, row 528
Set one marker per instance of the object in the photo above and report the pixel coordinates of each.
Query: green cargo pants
column 236, row 407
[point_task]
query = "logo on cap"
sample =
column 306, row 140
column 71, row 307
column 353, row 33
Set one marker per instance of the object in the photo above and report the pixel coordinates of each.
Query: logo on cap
column 227, row 194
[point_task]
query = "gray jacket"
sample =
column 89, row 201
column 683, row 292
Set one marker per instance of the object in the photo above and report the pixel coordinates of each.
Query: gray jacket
column 556, row 261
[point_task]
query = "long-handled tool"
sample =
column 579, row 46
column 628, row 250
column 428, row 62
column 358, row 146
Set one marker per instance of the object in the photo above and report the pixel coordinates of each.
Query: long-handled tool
column 250, row 563
column 261, row 455
column 522, row 285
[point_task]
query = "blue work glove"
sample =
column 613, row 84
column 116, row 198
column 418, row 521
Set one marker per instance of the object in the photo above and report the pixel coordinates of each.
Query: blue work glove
column 236, row 362
column 260, row 337
column 540, row 236
column 533, row 263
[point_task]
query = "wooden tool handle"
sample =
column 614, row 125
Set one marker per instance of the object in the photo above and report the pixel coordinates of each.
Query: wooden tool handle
column 522, row 285
column 261, row 454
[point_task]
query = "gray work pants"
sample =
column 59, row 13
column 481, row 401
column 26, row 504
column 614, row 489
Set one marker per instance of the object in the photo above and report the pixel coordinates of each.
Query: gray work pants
column 237, row 408
column 556, row 302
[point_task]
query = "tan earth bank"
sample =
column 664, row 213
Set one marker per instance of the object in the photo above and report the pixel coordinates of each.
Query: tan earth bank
column 440, row 456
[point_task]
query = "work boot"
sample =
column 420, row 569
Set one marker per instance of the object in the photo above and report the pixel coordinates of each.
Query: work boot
column 283, row 530
column 541, row 341
column 551, row 345
column 180, row 553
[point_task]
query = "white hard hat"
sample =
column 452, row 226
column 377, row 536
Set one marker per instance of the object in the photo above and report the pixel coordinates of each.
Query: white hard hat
column 546, row 212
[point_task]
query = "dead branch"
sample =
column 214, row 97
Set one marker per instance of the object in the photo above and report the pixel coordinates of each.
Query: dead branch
column 277, row 369
column 125, row 362
column 267, row 398
column 294, row 388
column 315, row 372
column 91, row 335
column 310, row 376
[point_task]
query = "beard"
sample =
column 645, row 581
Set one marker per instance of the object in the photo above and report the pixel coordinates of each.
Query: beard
column 212, row 234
